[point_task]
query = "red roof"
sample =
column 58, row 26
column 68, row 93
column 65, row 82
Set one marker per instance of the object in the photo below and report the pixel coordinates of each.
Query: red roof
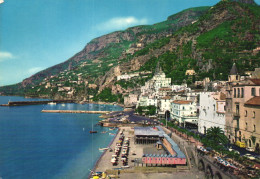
column 255, row 101
column 256, row 81
column 165, row 89
column 166, row 97
column 182, row 102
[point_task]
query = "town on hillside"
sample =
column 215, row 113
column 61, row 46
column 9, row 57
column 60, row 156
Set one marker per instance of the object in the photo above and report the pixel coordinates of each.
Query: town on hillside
column 215, row 128
column 233, row 105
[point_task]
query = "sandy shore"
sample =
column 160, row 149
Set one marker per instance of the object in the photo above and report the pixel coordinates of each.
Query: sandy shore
column 105, row 162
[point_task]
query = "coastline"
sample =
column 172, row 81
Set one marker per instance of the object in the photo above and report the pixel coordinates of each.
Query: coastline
column 101, row 156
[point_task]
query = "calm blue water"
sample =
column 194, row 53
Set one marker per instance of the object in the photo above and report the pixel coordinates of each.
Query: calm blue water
column 49, row 145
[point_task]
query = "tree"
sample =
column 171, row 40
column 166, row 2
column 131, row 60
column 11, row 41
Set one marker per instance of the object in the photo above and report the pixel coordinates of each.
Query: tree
column 139, row 110
column 151, row 110
column 214, row 137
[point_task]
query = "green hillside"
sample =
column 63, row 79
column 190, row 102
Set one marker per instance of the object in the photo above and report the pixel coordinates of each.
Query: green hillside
column 206, row 39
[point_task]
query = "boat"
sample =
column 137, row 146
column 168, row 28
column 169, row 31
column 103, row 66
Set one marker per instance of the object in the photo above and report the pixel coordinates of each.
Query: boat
column 52, row 103
column 63, row 104
column 102, row 149
column 103, row 132
column 111, row 134
column 91, row 132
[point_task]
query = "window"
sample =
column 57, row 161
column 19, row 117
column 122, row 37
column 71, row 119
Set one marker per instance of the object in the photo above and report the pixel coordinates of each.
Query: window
column 235, row 92
column 254, row 128
column 242, row 92
column 246, row 113
column 252, row 91
column 238, row 92
column 246, row 126
column 237, row 109
column 253, row 114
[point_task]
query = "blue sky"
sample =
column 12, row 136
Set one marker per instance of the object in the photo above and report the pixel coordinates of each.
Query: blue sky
column 37, row 34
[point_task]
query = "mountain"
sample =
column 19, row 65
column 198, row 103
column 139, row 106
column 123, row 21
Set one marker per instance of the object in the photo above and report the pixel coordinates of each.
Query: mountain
column 206, row 39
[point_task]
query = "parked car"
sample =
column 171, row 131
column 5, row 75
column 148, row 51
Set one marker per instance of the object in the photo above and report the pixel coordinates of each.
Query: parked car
column 249, row 156
column 236, row 152
column 251, row 149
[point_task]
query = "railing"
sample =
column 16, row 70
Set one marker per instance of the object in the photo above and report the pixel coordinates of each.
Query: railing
column 236, row 115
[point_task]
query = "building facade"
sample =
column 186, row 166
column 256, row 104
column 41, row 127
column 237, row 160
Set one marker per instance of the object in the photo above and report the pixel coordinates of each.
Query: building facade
column 212, row 111
column 243, row 111
column 184, row 112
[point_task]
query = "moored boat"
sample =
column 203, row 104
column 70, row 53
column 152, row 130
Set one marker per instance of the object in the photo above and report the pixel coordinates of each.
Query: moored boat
column 52, row 103
column 91, row 132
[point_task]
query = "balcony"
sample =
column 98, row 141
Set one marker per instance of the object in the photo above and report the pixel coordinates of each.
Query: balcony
column 236, row 115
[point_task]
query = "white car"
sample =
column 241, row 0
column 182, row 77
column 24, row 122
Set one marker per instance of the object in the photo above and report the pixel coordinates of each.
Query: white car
column 251, row 149
column 236, row 152
column 249, row 156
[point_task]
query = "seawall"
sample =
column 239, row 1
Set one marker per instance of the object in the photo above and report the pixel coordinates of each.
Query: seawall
column 23, row 103
column 75, row 111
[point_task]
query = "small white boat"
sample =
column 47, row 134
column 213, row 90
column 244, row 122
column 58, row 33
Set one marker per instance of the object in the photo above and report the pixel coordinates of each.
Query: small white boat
column 63, row 104
column 102, row 149
column 52, row 103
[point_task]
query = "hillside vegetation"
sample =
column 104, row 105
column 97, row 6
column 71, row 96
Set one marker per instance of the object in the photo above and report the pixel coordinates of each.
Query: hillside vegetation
column 206, row 39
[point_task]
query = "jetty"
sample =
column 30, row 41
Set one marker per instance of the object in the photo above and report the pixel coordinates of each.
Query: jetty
column 24, row 103
column 75, row 111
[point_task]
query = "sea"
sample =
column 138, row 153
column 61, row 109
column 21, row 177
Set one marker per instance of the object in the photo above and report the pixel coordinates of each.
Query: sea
column 50, row 145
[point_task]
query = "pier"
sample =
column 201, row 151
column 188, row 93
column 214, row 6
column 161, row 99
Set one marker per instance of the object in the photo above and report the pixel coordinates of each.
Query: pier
column 75, row 111
column 24, row 103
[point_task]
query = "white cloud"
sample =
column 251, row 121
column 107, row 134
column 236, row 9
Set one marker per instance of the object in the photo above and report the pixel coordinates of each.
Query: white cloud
column 34, row 70
column 6, row 56
column 121, row 23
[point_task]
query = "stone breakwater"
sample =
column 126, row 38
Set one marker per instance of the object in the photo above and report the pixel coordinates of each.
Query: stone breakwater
column 75, row 111
column 23, row 103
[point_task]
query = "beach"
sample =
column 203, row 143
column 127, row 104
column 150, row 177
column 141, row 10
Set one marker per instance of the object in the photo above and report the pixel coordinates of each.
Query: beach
column 133, row 171
column 104, row 162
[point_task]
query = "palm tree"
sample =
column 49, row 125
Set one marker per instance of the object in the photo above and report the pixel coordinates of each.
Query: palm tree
column 215, row 136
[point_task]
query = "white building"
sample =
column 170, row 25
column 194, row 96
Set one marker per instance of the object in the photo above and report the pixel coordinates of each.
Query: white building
column 212, row 111
column 164, row 104
column 183, row 112
column 150, row 91
column 127, row 76
column 131, row 100
column 143, row 101
column 158, row 81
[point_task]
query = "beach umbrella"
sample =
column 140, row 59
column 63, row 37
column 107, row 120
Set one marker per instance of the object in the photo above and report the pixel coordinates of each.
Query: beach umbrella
column 104, row 175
